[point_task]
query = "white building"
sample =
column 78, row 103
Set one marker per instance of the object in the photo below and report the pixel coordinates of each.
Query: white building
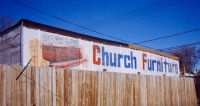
column 45, row 45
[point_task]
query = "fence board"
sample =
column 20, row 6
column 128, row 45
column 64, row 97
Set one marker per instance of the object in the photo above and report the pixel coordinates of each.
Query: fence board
column 54, row 86
column 37, row 84
column 41, row 84
column 23, row 87
column 45, row 85
column 59, row 87
column 17, row 69
column 28, row 86
column 33, row 86
column 3, row 86
column 50, row 96
column 13, row 86
column 62, row 87
column 9, row 87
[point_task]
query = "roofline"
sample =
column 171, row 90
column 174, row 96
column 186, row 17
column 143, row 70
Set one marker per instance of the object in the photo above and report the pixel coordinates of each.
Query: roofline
column 153, row 51
column 10, row 28
column 43, row 27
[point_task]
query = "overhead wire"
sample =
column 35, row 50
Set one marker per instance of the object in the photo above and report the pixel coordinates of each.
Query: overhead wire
column 134, row 14
column 69, row 21
column 137, row 15
column 73, row 23
column 138, row 43
column 163, row 37
column 186, row 45
column 125, row 14
column 131, row 12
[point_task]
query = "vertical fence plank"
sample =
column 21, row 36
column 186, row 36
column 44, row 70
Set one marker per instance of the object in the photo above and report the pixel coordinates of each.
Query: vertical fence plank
column 170, row 91
column 142, row 90
column 33, row 86
column 129, row 91
column 80, row 88
column 13, row 85
column 100, row 91
column 8, row 86
column 175, row 92
column 1, row 79
column 149, row 96
column 194, row 100
column 182, row 101
column 37, row 90
column 62, row 87
column 28, row 86
column 54, row 86
column 67, row 87
column 114, row 96
column 18, row 87
column 58, row 92
column 119, row 86
column 84, row 89
column 186, row 92
column 105, row 89
column 183, row 93
column 165, row 81
column 45, row 86
column 188, row 85
column 3, row 86
column 76, row 87
column 96, row 87
column 1, row 73
column 23, row 87
column 179, row 91
column 157, row 91
column 73, row 75
column 41, row 85
column 50, row 99
column 136, row 90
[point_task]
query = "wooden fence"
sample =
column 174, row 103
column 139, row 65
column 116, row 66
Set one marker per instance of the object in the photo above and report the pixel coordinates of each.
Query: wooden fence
column 59, row 87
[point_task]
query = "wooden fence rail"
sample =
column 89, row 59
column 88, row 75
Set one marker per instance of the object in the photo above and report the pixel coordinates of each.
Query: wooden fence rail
column 58, row 87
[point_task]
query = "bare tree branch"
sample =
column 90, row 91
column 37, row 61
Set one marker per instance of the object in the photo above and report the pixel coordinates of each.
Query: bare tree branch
column 5, row 23
column 188, row 57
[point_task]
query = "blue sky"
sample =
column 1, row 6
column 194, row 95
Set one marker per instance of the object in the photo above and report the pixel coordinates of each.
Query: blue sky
column 163, row 21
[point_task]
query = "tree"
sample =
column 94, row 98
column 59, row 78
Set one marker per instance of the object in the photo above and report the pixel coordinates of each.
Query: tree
column 188, row 57
column 5, row 23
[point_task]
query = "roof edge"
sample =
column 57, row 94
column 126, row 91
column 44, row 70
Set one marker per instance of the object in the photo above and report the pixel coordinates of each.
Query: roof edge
column 31, row 24
column 11, row 28
column 153, row 51
column 48, row 28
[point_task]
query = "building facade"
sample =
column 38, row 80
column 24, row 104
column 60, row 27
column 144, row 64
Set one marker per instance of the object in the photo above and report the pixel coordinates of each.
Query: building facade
column 45, row 45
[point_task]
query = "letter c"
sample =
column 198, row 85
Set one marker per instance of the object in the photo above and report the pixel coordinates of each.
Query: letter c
column 96, row 49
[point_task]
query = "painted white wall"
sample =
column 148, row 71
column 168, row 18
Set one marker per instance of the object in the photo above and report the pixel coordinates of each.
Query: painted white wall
column 27, row 35
column 52, row 39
